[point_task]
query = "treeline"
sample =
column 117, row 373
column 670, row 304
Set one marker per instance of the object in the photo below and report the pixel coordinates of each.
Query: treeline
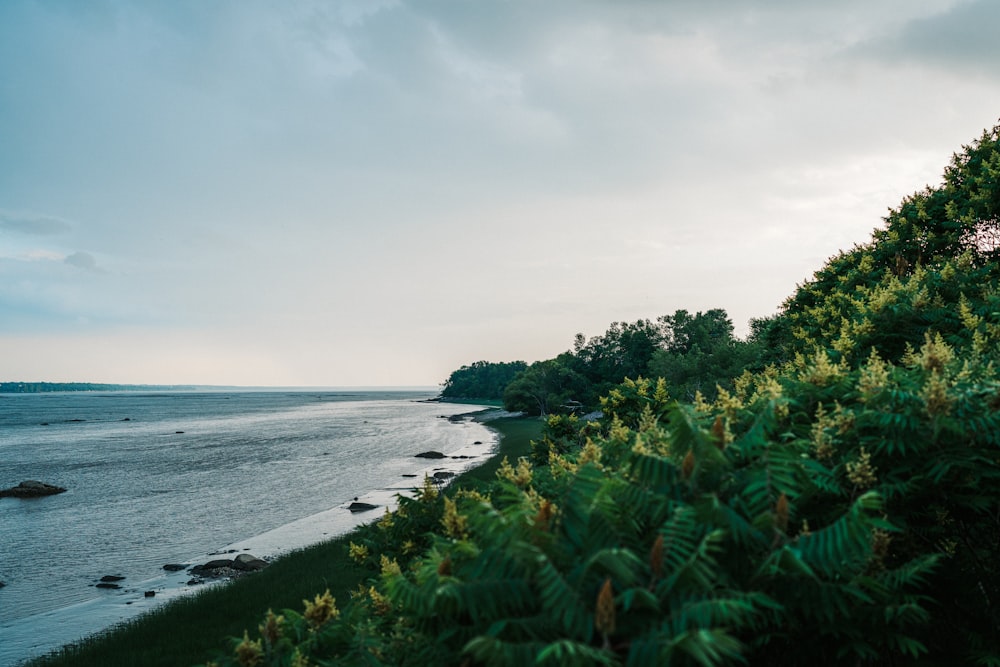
column 838, row 506
column 42, row 387
column 692, row 352
column 482, row 380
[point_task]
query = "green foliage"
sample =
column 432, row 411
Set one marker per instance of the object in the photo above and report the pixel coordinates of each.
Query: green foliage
column 837, row 506
column 543, row 387
column 482, row 379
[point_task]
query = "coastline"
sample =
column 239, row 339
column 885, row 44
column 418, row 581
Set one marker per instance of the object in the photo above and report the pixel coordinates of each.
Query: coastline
column 122, row 612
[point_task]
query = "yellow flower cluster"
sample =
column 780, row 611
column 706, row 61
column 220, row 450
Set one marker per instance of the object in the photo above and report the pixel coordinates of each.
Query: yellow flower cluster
column 272, row 628
column 742, row 385
column 660, row 394
column 935, row 354
column 559, row 464
column 380, row 602
column 249, row 653
column 321, row 609
column 299, row 660
column 700, row 404
column 618, row 432
column 521, row 476
column 389, row 566
column 820, row 371
column 647, row 420
column 590, row 453
column 656, row 441
column 386, row 522
column 769, row 389
column 357, row 552
column 428, row 492
column 861, row 473
column 455, row 525
column 471, row 494
column 937, row 400
column 874, row 376
column 822, row 439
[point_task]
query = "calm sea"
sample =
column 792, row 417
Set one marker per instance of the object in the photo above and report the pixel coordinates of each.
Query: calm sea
column 157, row 478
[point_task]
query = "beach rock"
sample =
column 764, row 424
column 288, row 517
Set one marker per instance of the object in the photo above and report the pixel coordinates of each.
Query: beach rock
column 430, row 455
column 31, row 489
column 248, row 563
column 406, row 475
column 109, row 585
column 361, row 507
column 478, row 442
column 2, row 584
column 110, row 578
column 149, row 594
column 174, row 567
column 443, row 475
column 219, row 567
column 194, row 582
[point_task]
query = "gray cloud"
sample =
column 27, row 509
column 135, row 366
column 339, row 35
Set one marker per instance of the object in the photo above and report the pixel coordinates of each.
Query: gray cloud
column 35, row 225
column 82, row 260
column 960, row 39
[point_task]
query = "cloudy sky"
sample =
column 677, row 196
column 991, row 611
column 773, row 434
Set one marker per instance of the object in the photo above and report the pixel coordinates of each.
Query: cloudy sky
column 374, row 193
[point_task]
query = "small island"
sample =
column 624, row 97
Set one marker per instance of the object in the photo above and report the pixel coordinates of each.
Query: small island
column 31, row 489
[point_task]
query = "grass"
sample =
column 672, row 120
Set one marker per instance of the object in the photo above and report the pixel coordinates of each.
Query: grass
column 191, row 629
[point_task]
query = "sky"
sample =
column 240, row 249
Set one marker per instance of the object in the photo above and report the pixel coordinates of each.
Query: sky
column 319, row 193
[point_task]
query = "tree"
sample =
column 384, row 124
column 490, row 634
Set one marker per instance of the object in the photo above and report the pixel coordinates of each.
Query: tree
column 543, row 387
column 700, row 352
column 482, row 379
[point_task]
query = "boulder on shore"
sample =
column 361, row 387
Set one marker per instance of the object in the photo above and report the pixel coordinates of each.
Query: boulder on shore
column 225, row 567
column 430, row 455
column 31, row 489
column 361, row 507
column 248, row 563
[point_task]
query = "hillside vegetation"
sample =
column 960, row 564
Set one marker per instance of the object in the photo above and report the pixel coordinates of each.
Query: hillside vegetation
column 835, row 501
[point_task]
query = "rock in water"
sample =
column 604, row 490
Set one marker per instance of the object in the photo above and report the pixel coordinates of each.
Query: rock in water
column 430, row 455
column 31, row 489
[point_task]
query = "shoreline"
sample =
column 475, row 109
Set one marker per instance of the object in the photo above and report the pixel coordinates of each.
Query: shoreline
column 82, row 622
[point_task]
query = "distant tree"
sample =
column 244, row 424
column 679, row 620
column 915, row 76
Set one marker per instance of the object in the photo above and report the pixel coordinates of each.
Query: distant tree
column 700, row 353
column 624, row 350
column 544, row 386
column 482, row 379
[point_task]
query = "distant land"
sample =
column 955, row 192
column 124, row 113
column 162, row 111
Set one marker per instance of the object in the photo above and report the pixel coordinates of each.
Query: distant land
column 42, row 387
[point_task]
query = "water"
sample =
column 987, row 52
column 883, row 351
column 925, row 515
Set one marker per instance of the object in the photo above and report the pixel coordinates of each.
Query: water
column 156, row 478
